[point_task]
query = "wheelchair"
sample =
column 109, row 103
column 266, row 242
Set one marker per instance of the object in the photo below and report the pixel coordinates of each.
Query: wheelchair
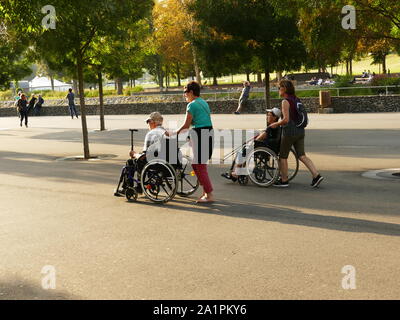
column 260, row 164
column 157, row 179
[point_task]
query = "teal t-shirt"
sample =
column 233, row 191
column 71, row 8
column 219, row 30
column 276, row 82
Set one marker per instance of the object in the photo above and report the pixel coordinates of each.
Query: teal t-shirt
column 201, row 113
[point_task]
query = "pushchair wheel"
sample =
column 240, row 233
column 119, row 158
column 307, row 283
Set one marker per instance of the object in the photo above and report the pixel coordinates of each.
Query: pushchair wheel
column 131, row 194
column 243, row 180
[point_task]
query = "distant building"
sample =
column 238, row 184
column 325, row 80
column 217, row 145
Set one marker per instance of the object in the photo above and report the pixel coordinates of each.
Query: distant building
column 43, row 83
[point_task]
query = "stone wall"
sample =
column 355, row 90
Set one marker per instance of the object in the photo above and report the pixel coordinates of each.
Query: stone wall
column 339, row 105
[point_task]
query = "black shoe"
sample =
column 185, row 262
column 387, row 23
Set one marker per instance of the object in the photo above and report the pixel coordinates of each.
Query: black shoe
column 119, row 193
column 316, row 181
column 236, row 112
column 20, row 124
column 280, row 184
column 228, row 176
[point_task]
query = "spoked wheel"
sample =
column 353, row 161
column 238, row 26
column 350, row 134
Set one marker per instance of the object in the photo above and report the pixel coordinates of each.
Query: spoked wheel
column 293, row 164
column 243, row 180
column 187, row 179
column 262, row 167
column 131, row 194
column 159, row 181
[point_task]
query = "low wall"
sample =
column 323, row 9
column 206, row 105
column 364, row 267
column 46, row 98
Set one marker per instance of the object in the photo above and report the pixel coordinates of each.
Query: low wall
column 339, row 105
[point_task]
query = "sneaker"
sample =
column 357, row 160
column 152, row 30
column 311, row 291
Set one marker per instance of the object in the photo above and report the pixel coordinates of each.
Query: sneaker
column 316, row 181
column 236, row 112
column 280, row 184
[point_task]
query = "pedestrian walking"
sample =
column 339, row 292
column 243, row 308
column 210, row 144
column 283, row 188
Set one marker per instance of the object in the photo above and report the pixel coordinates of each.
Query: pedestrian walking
column 198, row 115
column 292, row 135
column 38, row 105
column 71, row 104
column 23, row 109
column 31, row 103
column 244, row 97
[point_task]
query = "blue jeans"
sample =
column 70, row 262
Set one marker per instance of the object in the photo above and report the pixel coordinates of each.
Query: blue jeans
column 72, row 110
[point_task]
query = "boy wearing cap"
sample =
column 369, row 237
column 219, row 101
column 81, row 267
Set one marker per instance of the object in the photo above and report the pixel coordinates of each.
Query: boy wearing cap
column 269, row 138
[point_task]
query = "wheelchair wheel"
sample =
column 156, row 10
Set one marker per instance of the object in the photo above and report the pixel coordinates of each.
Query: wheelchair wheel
column 243, row 180
column 293, row 164
column 131, row 194
column 187, row 179
column 159, row 181
column 262, row 167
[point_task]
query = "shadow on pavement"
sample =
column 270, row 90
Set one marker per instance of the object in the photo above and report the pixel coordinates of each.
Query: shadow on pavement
column 340, row 192
column 283, row 215
column 18, row 289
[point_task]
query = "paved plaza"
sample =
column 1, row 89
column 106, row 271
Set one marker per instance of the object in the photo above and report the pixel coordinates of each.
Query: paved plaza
column 253, row 243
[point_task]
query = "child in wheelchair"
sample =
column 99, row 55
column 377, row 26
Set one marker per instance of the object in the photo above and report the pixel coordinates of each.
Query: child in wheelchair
column 269, row 138
column 137, row 161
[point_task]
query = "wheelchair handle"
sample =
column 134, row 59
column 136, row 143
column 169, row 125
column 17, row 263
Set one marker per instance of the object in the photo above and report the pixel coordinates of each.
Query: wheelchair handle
column 132, row 131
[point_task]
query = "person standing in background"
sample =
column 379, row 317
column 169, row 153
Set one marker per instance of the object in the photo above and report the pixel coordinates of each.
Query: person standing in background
column 71, row 104
column 38, row 105
column 23, row 109
column 244, row 97
column 32, row 103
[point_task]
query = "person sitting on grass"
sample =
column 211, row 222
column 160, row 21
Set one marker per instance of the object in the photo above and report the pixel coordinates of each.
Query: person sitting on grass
column 269, row 138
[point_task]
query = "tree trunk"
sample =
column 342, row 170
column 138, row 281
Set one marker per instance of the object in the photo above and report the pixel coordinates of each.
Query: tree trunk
column 120, row 86
column 248, row 76
column 83, row 108
column 52, row 82
column 101, row 98
column 267, row 90
column 196, row 66
column 215, row 81
column 75, row 86
column 351, row 66
column 259, row 77
column 178, row 74
column 384, row 64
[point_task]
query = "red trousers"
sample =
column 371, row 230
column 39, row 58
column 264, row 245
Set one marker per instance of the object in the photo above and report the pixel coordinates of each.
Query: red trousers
column 202, row 174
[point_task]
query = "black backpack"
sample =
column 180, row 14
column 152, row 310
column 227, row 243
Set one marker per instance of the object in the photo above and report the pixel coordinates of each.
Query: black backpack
column 302, row 115
column 301, row 120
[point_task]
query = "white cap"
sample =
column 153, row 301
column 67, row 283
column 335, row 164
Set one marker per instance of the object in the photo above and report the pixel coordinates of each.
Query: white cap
column 276, row 112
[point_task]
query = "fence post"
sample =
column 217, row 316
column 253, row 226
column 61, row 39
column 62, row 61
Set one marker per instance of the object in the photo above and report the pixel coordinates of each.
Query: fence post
column 338, row 92
column 387, row 91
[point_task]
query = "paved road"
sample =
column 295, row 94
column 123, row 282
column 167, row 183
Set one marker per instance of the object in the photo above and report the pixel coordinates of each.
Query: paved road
column 253, row 243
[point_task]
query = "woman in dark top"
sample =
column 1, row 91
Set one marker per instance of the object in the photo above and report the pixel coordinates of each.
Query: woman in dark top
column 23, row 109
column 32, row 103
column 292, row 136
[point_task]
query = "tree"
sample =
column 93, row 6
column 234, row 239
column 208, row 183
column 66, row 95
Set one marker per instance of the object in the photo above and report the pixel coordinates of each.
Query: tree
column 272, row 37
column 14, row 64
column 79, row 23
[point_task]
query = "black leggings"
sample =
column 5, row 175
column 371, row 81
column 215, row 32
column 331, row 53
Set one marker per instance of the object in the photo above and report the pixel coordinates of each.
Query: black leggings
column 24, row 115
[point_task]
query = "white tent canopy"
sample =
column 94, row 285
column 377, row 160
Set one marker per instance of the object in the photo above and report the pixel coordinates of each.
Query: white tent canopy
column 43, row 83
